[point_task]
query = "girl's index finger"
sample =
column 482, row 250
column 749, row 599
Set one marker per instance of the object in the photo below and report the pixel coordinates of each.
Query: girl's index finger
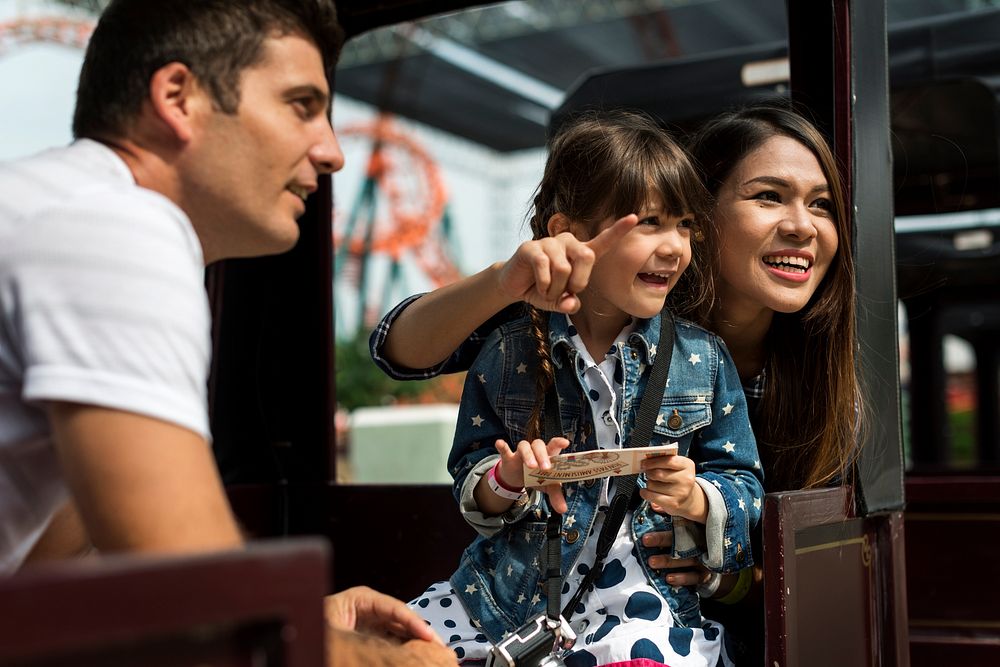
column 603, row 242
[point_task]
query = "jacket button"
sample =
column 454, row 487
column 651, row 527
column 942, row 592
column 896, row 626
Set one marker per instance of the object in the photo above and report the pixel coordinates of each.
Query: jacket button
column 634, row 355
column 740, row 556
column 675, row 420
column 590, row 483
column 572, row 535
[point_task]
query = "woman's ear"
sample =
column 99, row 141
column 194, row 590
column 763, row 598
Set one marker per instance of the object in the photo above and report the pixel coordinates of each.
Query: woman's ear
column 558, row 224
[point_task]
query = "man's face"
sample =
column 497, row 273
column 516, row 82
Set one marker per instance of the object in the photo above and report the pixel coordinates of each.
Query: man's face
column 247, row 175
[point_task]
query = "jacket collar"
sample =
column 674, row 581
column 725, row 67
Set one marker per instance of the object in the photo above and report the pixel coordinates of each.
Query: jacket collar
column 644, row 338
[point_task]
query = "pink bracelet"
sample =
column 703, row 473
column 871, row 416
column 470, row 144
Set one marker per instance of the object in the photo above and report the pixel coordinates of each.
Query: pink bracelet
column 498, row 486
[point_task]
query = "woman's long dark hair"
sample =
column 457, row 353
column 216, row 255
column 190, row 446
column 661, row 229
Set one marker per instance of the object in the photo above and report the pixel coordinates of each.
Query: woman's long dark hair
column 806, row 439
column 609, row 165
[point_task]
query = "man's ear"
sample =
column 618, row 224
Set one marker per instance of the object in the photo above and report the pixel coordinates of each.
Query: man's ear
column 558, row 224
column 176, row 98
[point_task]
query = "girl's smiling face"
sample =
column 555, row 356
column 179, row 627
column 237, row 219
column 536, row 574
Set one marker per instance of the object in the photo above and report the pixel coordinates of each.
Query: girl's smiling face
column 776, row 229
column 634, row 277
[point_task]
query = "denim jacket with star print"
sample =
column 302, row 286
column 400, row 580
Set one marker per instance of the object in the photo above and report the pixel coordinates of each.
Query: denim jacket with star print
column 703, row 410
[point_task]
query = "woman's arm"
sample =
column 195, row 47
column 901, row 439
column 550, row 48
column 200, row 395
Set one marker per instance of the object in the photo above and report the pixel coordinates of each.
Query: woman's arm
column 546, row 273
column 425, row 333
column 729, row 472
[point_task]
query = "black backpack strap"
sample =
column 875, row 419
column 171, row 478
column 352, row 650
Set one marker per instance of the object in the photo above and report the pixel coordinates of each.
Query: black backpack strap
column 642, row 431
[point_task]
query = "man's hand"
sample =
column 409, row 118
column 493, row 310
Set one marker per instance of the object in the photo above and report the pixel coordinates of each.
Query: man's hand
column 369, row 628
column 364, row 610
column 351, row 649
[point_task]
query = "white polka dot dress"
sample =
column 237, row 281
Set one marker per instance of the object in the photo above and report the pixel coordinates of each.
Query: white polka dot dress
column 623, row 621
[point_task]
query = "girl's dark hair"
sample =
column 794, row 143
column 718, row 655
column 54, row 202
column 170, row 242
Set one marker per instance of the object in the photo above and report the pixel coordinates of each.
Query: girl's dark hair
column 606, row 166
column 216, row 39
column 805, row 440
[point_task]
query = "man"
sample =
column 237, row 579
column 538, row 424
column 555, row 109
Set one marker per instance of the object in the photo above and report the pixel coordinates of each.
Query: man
column 201, row 126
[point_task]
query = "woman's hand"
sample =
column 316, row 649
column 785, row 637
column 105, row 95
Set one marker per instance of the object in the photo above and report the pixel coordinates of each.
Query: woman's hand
column 535, row 456
column 697, row 575
column 671, row 486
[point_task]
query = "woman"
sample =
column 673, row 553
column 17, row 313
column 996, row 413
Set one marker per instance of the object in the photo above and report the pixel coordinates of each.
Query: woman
column 783, row 302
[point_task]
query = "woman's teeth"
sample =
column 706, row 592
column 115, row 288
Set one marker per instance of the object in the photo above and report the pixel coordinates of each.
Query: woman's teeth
column 788, row 263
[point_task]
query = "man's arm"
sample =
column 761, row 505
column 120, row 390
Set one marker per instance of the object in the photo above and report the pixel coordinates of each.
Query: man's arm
column 64, row 538
column 142, row 484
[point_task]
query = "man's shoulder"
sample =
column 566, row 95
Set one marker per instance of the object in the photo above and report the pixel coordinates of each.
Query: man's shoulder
column 85, row 174
column 83, row 196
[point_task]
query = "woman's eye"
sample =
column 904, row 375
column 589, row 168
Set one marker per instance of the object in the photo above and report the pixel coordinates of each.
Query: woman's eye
column 824, row 204
column 768, row 195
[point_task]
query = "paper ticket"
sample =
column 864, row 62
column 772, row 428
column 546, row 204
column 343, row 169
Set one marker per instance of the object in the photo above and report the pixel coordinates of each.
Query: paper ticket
column 594, row 464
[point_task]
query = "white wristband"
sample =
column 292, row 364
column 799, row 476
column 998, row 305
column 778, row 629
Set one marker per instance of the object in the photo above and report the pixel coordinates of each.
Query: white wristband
column 497, row 488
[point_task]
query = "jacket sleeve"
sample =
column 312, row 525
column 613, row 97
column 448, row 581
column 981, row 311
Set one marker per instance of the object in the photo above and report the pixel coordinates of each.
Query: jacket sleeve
column 729, row 471
column 479, row 426
column 460, row 360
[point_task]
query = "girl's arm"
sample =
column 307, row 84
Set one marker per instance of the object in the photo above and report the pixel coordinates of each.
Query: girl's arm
column 729, row 472
column 473, row 452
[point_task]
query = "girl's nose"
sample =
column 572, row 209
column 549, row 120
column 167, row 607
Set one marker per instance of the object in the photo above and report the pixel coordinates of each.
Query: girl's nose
column 672, row 244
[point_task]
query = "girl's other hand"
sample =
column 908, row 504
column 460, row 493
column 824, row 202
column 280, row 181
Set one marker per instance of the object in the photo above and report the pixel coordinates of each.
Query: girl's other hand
column 535, row 455
column 671, row 486
column 548, row 273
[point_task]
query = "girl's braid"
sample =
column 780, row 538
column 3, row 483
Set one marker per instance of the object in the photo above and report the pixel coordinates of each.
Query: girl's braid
column 544, row 208
column 544, row 373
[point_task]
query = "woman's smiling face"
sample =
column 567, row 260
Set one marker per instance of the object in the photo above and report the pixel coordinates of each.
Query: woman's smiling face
column 777, row 233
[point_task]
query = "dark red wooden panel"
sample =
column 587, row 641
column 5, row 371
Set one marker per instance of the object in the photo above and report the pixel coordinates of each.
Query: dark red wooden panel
column 953, row 572
column 831, row 581
column 260, row 606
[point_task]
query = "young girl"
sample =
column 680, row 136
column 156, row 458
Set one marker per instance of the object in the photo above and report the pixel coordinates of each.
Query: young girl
column 598, row 360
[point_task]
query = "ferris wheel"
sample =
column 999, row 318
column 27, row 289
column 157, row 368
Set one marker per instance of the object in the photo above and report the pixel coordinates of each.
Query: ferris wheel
column 400, row 211
column 63, row 30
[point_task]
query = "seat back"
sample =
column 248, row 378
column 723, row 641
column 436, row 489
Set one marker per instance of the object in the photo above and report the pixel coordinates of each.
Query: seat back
column 259, row 606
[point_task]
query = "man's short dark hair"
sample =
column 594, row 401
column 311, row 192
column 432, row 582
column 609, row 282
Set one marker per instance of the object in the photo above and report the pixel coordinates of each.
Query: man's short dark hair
column 216, row 39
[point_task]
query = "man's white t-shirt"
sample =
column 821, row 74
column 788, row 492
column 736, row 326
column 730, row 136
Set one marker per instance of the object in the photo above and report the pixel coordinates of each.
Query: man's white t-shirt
column 102, row 302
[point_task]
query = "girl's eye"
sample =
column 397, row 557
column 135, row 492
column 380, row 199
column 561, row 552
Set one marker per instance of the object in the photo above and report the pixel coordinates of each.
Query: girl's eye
column 687, row 223
column 768, row 195
column 651, row 220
